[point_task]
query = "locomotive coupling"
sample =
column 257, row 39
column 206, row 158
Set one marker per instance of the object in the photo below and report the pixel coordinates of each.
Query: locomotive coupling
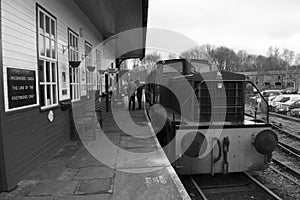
column 265, row 141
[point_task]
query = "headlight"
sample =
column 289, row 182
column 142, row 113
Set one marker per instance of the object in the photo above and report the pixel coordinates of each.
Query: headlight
column 265, row 141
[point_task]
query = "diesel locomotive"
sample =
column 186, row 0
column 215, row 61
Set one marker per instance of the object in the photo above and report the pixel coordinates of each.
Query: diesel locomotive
column 210, row 122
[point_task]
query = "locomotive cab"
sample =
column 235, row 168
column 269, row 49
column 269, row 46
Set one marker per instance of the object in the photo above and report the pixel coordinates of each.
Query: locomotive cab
column 215, row 125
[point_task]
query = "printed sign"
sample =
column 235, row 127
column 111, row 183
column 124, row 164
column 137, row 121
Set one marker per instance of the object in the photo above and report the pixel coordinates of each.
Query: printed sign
column 21, row 87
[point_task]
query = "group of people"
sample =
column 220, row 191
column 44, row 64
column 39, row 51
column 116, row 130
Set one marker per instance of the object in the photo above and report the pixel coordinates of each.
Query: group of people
column 135, row 89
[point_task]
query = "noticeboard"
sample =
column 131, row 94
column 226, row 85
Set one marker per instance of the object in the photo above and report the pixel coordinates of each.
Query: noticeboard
column 21, row 86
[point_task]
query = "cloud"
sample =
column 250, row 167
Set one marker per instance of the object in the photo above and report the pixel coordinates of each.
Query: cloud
column 233, row 23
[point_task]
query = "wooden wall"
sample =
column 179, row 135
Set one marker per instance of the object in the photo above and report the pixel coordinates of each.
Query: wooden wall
column 27, row 137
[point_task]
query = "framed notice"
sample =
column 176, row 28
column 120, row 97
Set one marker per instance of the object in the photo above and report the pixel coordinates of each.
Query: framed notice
column 21, row 88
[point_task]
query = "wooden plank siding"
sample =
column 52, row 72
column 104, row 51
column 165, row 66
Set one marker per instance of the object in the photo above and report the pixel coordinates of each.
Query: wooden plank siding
column 3, row 180
column 27, row 137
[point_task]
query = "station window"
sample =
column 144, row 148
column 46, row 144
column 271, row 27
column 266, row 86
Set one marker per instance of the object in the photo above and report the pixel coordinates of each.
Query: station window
column 74, row 72
column 99, row 79
column 88, row 62
column 47, row 63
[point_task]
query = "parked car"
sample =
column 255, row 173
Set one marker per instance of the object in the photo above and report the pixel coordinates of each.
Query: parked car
column 277, row 100
column 270, row 99
column 295, row 112
column 286, row 107
column 269, row 93
column 289, row 90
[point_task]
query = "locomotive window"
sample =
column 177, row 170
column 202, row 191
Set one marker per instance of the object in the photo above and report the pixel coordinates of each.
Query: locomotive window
column 170, row 67
column 199, row 67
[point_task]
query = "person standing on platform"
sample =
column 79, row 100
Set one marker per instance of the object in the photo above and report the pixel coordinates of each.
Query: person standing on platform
column 131, row 94
column 139, row 94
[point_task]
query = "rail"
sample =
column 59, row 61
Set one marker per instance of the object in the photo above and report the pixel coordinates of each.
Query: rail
column 285, row 117
column 215, row 188
column 287, row 168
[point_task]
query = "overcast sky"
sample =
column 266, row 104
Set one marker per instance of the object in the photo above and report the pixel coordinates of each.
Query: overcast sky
column 251, row 25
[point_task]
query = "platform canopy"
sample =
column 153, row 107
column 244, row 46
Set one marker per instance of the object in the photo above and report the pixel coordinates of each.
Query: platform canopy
column 112, row 17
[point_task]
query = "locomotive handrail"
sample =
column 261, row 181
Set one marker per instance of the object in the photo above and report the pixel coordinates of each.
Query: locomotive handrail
column 213, row 158
column 262, row 98
column 216, row 159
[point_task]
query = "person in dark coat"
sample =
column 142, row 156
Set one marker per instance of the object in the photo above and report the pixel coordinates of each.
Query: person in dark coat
column 131, row 95
column 139, row 94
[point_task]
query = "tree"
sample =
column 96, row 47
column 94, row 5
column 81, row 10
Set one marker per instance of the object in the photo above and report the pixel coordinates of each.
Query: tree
column 172, row 56
column 242, row 59
column 199, row 52
column 288, row 56
column 209, row 50
column 136, row 62
column 124, row 65
column 225, row 59
column 246, row 62
column 260, row 62
column 194, row 53
column 150, row 60
column 275, row 59
column 297, row 59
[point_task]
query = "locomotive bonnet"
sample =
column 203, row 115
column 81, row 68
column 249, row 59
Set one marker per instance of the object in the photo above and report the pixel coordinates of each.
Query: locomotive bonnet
column 213, row 126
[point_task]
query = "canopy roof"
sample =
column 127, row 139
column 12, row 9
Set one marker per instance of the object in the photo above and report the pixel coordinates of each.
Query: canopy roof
column 112, row 17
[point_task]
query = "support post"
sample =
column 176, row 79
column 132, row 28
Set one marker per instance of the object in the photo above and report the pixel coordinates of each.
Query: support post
column 106, row 93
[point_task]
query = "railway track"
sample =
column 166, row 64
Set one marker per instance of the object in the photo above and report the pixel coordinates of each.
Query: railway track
column 230, row 186
column 287, row 168
column 289, row 149
column 282, row 129
column 273, row 114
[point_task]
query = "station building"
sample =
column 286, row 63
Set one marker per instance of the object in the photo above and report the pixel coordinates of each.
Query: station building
column 51, row 58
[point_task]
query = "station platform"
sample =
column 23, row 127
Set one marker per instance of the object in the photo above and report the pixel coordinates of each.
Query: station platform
column 122, row 162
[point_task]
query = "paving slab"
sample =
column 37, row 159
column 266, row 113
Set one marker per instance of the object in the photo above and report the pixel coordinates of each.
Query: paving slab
column 58, row 161
column 87, row 197
column 93, row 172
column 39, row 198
column 68, row 151
column 46, row 173
column 147, row 186
column 133, row 142
column 68, row 174
column 95, row 186
column 83, row 158
column 54, row 188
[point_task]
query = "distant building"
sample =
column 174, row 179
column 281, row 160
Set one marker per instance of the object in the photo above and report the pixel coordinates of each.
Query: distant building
column 275, row 79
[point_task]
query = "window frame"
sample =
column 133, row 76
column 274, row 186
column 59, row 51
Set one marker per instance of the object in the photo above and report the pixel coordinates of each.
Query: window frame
column 98, row 67
column 46, row 77
column 88, row 60
column 74, row 80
